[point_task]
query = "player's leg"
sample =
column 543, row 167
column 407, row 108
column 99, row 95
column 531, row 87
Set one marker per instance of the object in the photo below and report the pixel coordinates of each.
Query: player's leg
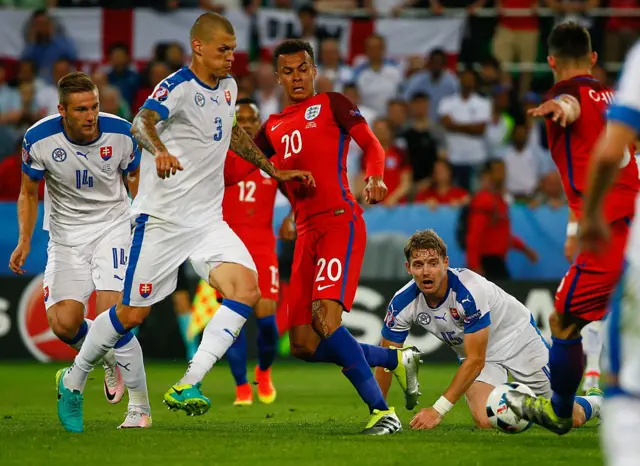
column 592, row 346
column 182, row 306
column 224, row 260
column 477, row 397
column 265, row 310
column 113, row 382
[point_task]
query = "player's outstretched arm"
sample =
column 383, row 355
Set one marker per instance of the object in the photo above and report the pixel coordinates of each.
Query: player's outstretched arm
column 382, row 376
column 243, row 145
column 475, row 347
column 564, row 109
column 27, row 216
column 144, row 130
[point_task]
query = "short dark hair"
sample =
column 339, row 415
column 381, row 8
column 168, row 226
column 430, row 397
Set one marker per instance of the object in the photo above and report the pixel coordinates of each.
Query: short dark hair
column 246, row 101
column 425, row 239
column 420, row 96
column 438, row 53
column 291, row 46
column 73, row 83
column 308, row 9
column 119, row 46
column 353, row 86
column 569, row 41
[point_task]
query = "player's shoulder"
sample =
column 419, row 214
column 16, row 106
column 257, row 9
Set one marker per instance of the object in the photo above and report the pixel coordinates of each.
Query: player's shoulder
column 42, row 129
column 113, row 124
column 404, row 297
column 178, row 78
column 575, row 86
column 467, row 286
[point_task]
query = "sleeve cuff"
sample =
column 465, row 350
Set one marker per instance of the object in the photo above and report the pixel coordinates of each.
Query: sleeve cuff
column 157, row 107
column 482, row 322
column 396, row 337
column 626, row 115
column 33, row 173
column 135, row 163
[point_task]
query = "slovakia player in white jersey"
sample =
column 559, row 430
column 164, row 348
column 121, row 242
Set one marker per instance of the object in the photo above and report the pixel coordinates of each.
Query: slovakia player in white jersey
column 83, row 155
column 186, row 125
column 491, row 332
column 621, row 331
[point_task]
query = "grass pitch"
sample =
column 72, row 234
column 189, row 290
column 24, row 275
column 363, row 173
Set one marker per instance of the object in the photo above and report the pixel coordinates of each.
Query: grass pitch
column 314, row 421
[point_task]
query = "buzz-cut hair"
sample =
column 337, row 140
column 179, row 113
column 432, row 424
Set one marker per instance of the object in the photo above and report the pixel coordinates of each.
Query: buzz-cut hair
column 74, row 83
column 291, row 46
column 250, row 102
column 425, row 240
column 569, row 41
column 207, row 23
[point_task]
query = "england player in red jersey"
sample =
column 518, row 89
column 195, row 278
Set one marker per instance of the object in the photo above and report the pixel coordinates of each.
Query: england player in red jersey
column 248, row 209
column 314, row 130
column 575, row 115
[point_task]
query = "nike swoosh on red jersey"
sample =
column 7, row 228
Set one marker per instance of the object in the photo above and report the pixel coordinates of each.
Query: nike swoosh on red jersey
column 273, row 128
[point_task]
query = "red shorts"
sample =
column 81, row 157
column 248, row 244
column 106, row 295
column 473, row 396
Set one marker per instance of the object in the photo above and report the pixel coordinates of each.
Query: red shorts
column 326, row 265
column 266, row 262
column 585, row 290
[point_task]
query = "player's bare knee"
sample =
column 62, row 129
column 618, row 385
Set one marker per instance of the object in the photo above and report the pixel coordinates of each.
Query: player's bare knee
column 302, row 352
column 579, row 416
column 65, row 319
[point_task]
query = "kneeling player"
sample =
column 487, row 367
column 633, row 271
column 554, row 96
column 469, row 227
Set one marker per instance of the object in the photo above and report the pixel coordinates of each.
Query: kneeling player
column 492, row 333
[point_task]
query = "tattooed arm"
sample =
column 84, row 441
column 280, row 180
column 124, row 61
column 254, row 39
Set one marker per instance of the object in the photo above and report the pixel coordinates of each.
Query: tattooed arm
column 243, row 145
column 144, row 130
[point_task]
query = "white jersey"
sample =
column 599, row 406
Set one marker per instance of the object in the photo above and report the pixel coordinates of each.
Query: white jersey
column 196, row 128
column 85, row 193
column 472, row 303
column 626, row 110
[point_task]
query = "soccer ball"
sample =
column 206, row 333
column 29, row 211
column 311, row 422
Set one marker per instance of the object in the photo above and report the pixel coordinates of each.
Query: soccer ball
column 500, row 415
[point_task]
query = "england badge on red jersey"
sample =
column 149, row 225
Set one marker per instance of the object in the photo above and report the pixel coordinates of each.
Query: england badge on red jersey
column 227, row 96
column 106, row 152
column 454, row 313
column 46, row 293
column 145, row 289
column 312, row 112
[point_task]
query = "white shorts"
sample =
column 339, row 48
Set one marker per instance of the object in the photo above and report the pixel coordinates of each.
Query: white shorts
column 74, row 272
column 622, row 336
column 528, row 364
column 158, row 248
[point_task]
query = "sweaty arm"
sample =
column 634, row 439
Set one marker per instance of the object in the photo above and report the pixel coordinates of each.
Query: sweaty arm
column 27, row 208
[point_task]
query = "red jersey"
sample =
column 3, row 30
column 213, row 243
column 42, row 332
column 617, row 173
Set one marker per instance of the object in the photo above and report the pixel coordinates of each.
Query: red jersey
column 453, row 194
column 314, row 135
column 571, row 148
column 395, row 165
column 248, row 205
column 519, row 23
column 489, row 218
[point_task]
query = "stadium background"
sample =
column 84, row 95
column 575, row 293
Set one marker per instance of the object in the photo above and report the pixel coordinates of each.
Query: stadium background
column 92, row 35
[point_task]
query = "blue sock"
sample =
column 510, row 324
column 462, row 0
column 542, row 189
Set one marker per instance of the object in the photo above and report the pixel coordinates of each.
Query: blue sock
column 237, row 357
column 566, row 364
column 588, row 409
column 82, row 332
column 267, row 341
column 378, row 356
column 349, row 355
column 190, row 345
column 324, row 353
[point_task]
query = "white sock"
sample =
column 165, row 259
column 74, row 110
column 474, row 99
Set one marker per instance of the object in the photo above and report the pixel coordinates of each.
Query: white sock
column 131, row 363
column 596, row 405
column 218, row 336
column 592, row 346
column 78, row 344
column 101, row 337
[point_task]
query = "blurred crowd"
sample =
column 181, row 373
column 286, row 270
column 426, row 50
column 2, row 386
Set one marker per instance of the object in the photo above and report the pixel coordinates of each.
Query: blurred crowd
column 440, row 127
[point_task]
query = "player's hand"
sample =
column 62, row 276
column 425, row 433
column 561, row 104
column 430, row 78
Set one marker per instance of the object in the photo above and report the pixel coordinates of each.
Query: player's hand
column 571, row 247
column 593, row 233
column 552, row 109
column 427, row 418
column 375, row 190
column 288, row 229
column 294, row 175
column 19, row 256
column 167, row 164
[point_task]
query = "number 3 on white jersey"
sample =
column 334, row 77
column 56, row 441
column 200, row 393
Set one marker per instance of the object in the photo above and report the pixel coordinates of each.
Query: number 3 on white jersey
column 292, row 143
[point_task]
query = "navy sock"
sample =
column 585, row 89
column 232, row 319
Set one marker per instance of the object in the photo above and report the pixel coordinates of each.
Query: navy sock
column 377, row 356
column 566, row 364
column 237, row 357
column 350, row 356
column 324, row 353
column 267, row 341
